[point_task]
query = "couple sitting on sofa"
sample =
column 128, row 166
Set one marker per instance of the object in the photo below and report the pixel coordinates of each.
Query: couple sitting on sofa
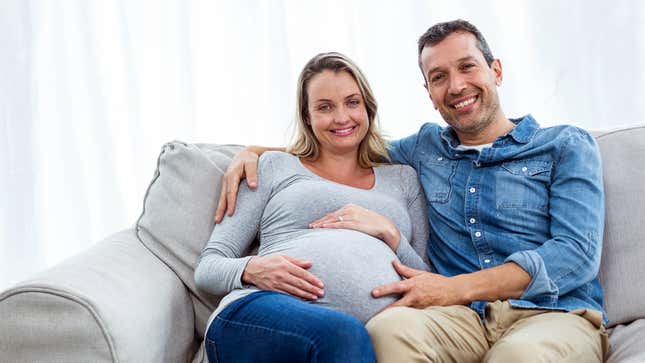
column 516, row 216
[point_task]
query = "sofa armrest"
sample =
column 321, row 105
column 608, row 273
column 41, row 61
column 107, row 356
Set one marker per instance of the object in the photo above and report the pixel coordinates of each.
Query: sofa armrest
column 115, row 302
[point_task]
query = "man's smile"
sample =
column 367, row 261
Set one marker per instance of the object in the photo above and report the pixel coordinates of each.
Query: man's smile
column 462, row 103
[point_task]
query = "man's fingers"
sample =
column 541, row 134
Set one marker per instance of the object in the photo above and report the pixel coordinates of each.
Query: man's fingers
column 231, row 195
column 389, row 289
column 251, row 172
column 221, row 204
column 404, row 301
column 404, row 270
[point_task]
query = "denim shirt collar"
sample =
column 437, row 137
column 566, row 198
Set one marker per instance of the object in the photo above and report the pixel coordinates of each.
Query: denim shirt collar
column 524, row 130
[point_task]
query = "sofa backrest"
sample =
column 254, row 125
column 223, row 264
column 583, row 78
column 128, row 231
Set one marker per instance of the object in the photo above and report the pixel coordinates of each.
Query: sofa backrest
column 180, row 203
column 622, row 269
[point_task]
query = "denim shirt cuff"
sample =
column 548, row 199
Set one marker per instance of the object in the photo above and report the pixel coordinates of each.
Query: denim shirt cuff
column 541, row 290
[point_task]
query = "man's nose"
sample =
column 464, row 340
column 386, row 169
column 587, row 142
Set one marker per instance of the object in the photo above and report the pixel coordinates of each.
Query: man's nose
column 457, row 84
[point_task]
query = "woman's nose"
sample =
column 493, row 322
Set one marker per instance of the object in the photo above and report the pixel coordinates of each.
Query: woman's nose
column 342, row 115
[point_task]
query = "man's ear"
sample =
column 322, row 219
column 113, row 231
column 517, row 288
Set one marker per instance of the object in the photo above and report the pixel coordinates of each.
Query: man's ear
column 496, row 66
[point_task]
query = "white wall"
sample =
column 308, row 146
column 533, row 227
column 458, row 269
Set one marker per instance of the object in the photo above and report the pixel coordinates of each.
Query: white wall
column 91, row 89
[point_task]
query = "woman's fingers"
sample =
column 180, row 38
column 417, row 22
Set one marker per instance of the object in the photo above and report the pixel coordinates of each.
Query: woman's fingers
column 301, row 273
column 325, row 219
column 294, row 291
column 346, row 213
column 301, row 288
column 350, row 217
column 285, row 274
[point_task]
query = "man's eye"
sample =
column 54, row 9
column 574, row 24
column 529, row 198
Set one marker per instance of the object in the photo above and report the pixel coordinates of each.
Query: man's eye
column 437, row 78
column 467, row 66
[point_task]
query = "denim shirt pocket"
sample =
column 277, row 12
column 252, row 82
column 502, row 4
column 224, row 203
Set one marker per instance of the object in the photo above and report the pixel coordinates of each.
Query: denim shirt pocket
column 436, row 174
column 523, row 184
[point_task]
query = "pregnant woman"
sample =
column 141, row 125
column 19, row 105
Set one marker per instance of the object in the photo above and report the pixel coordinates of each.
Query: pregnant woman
column 328, row 206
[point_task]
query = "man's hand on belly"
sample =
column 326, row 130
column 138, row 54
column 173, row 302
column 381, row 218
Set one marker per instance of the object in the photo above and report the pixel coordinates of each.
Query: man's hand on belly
column 421, row 289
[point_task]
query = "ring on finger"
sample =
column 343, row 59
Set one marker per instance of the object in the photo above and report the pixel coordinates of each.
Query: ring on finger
column 340, row 218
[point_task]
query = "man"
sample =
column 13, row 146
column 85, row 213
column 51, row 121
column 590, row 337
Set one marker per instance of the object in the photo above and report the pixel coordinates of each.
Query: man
column 516, row 214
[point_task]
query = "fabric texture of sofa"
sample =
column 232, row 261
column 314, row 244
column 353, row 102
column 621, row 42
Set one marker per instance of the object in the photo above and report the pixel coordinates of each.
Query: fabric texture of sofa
column 132, row 297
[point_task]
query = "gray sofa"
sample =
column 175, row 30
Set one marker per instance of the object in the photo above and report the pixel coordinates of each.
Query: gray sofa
column 132, row 298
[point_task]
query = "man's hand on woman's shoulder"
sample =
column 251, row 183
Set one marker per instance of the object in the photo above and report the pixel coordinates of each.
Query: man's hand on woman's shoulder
column 243, row 165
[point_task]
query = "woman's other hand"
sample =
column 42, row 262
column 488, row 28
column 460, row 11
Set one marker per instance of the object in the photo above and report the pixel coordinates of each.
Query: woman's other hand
column 363, row 220
column 283, row 274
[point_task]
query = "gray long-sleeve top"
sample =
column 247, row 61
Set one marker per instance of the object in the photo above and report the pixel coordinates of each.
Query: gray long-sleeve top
column 350, row 263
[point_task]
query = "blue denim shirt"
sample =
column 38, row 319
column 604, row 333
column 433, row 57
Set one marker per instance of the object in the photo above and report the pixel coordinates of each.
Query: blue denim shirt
column 535, row 197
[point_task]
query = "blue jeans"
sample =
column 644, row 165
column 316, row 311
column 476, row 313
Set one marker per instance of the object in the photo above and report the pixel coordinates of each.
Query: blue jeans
column 268, row 326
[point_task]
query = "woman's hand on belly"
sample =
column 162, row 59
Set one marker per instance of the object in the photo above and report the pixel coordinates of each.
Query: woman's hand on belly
column 363, row 220
column 284, row 274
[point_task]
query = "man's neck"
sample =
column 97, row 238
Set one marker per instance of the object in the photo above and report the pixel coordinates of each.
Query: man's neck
column 488, row 135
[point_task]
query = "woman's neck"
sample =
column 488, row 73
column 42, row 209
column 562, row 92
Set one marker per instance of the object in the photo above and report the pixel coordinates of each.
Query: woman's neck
column 343, row 169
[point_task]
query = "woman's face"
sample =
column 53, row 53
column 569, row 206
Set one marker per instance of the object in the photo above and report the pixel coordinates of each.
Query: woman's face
column 337, row 112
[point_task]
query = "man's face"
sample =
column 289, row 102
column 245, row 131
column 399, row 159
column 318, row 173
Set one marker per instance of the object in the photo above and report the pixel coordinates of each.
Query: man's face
column 461, row 85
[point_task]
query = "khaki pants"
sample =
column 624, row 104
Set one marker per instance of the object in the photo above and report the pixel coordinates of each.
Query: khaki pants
column 456, row 334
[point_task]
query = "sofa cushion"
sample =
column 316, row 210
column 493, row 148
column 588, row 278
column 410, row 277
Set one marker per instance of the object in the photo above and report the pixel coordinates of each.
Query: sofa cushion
column 178, row 211
column 622, row 268
column 626, row 343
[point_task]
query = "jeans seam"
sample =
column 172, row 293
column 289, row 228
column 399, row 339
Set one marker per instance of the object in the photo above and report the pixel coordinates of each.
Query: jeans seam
column 311, row 342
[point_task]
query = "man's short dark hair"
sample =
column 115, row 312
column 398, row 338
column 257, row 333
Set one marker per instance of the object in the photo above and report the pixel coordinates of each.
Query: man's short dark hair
column 440, row 31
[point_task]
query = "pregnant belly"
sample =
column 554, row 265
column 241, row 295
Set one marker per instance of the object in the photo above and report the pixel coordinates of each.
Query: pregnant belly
column 350, row 264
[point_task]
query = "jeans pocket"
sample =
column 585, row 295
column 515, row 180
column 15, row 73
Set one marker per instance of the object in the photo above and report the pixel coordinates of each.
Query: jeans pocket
column 211, row 350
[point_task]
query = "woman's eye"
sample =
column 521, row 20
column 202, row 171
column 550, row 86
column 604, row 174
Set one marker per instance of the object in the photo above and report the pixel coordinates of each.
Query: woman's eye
column 324, row 108
column 353, row 103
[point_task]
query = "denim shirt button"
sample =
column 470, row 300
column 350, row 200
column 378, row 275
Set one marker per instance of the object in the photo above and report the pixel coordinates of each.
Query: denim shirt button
column 486, row 261
column 524, row 169
column 472, row 190
column 478, row 234
column 472, row 221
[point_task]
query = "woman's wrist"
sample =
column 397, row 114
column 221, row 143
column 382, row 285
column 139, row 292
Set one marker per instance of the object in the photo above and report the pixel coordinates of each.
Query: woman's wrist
column 391, row 236
column 246, row 275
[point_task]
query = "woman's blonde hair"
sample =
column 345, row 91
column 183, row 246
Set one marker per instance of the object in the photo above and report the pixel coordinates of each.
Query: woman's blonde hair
column 372, row 150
